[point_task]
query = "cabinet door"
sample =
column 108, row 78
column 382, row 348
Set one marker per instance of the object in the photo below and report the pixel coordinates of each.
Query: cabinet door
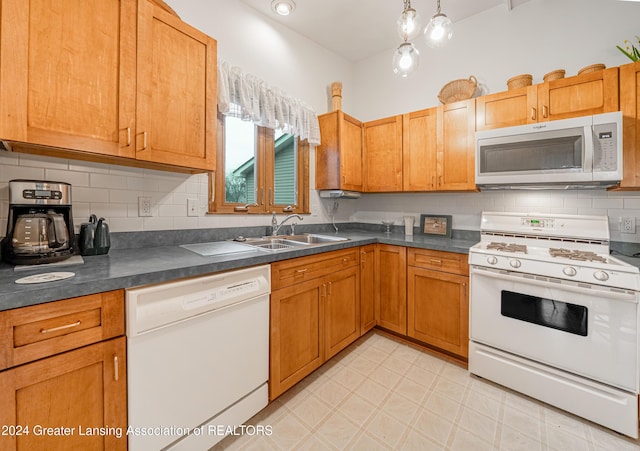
column 382, row 155
column 79, row 390
column 582, row 95
column 630, row 107
column 368, row 292
column 176, row 99
column 391, row 301
column 456, row 147
column 342, row 310
column 339, row 155
column 296, row 342
column 438, row 305
column 419, row 147
column 506, row 109
column 67, row 74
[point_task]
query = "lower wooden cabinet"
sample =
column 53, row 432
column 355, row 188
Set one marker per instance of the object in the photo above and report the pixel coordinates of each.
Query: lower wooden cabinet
column 368, row 291
column 391, row 298
column 74, row 400
column 438, row 300
column 64, row 379
column 311, row 321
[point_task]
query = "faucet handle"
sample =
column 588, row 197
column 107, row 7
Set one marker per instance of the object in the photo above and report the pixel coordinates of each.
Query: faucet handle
column 293, row 228
column 289, row 208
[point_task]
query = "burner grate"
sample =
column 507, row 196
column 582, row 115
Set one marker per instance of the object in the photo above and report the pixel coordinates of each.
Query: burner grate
column 511, row 247
column 585, row 256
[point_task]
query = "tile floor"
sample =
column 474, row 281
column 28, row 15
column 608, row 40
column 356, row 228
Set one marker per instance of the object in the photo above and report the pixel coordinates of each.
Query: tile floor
column 379, row 394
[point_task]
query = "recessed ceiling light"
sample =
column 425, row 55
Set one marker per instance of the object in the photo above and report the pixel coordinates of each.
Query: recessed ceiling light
column 283, row 7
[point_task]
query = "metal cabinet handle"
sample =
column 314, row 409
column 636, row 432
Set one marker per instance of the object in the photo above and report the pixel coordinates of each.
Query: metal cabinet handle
column 533, row 114
column 301, row 271
column 56, row 329
column 128, row 136
column 116, row 370
column 435, row 261
column 545, row 111
column 144, row 141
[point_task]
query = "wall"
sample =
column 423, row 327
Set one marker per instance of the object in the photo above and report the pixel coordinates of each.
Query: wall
column 536, row 37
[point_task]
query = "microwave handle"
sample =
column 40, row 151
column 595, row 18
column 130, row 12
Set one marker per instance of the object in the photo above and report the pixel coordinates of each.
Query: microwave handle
column 587, row 156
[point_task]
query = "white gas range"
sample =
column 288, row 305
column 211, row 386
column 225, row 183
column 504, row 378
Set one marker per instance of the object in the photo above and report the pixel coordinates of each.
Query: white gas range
column 554, row 316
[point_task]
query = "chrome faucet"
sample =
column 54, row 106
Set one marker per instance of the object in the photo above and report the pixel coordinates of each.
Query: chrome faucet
column 274, row 222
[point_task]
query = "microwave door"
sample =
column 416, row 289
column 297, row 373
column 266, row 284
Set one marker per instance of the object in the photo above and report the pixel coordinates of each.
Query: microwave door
column 549, row 156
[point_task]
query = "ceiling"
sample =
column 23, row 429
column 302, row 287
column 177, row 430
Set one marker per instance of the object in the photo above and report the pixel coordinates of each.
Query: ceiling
column 358, row 29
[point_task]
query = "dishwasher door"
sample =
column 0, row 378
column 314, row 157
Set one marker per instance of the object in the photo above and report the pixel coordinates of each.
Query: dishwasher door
column 198, row 351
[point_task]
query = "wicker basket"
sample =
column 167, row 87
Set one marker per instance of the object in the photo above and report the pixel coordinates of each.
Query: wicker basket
column 592, row 68
column 456, row 90
column 554, row 75
column 519, row 81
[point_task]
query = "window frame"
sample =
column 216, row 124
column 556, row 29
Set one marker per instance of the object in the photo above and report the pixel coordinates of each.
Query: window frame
column 265, row 183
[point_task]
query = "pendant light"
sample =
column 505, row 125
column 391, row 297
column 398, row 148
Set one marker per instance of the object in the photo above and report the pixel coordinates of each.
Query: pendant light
column 405, row 59
column 439, row 30
column 409, row 23
column 406, row 56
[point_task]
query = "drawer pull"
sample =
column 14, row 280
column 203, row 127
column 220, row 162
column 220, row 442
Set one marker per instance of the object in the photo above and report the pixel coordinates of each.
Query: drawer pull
column 533, row 114
column 116, row 370
column 301, row 271
column 56, row 329
column 435, row 261
column 345, row 261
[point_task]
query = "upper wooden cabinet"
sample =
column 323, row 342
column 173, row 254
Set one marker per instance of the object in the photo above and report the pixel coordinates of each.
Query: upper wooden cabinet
column 68, row 74
column 630, row 107
column 115, row 81
column 456, row 147
column 339, row 155
column 582, row 95
column 419, row 149
column 382, row 155
column 176, row 101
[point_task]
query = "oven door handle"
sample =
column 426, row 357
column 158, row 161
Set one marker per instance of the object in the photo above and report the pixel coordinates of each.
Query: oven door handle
column 566, row 285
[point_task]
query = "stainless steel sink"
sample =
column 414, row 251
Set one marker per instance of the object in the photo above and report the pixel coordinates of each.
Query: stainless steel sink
column 284, row 242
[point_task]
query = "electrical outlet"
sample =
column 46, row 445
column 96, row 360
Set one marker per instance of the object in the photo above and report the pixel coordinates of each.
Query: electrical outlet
column 192, row 207
column 144, row 206
column 628, row 225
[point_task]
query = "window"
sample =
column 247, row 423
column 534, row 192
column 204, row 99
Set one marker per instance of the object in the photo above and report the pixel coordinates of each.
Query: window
column 259, row 170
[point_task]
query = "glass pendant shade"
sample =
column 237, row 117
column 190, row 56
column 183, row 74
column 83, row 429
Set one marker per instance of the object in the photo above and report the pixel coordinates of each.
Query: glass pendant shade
column 409, row 24
column 438, row 31
column 405, row 59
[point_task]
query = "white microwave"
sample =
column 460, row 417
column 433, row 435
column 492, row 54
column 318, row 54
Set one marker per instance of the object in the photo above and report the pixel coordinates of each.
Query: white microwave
column 582, row 152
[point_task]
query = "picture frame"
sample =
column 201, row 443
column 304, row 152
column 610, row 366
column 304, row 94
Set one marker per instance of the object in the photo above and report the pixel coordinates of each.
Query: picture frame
column 435, row 226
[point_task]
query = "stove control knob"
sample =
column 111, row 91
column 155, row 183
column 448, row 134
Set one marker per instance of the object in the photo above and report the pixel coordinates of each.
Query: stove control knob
column 492, row 259
column 570, row 271
column 515, row 263
column 601, row 276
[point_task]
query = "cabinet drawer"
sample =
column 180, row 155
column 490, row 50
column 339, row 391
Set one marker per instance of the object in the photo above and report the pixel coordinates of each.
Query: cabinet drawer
column 300, row 269
column 34, row 332
column 439, row 260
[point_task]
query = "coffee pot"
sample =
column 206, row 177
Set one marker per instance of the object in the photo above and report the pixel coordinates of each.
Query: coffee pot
column 40, row 223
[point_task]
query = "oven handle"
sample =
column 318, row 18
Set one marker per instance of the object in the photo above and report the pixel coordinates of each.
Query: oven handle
column 566, row 285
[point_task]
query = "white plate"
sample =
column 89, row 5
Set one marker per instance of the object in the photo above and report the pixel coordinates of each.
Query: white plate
column 45, row 277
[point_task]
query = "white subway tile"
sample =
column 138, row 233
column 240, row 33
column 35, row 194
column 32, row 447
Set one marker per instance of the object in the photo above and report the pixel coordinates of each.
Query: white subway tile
column 126, row 225
column 185, row 223
column 98, row 180
column 606, row 202
column 20, row 172
column 126, row 171
column 9, row 158
column 172, row 210
column 88, row 166
column 41, row 161
column 632, row 202
column 64, row 175
column 83, row 194
column 124, row 196
column 108, row 210
column 157, row 223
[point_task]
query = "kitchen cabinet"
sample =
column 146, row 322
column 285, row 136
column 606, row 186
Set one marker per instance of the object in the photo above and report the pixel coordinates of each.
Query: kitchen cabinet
column 114, row 81
column 581, row 95
column 438, row 300
column 65, row 367
column 382, row 155
column 368, row 291
column 176, row 91
column 456, row 147
column 391, row 286
column 315, row 313
column 630, row 107
column 68, row 74
column 339, row 154
column 439, row 148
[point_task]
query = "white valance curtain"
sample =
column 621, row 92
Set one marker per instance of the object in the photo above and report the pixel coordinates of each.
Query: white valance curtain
column 249, row 98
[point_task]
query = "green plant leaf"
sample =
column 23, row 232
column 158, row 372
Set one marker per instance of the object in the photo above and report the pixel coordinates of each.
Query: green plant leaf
column 630, row 56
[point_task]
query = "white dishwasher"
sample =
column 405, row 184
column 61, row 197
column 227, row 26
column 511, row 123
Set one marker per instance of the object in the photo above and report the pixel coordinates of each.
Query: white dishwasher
column 198, row 358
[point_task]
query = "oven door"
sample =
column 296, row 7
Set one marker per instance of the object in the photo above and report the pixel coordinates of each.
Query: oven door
column 584, row 329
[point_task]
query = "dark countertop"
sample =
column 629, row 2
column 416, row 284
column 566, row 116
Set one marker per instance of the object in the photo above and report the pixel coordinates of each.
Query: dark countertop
column 125, row 268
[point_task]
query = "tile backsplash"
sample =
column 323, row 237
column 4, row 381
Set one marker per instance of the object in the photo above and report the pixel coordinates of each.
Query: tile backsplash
column 112, row 192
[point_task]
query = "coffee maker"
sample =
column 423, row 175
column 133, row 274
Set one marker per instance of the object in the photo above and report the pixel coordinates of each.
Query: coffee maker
column 40, row 223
